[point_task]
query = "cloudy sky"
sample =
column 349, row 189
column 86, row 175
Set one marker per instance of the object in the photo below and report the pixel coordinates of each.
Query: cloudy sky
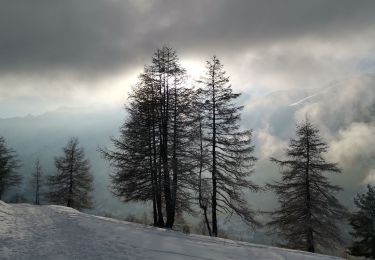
column 289, row 58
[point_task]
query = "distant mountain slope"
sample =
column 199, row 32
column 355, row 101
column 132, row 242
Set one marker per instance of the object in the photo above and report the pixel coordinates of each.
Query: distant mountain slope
column 56, row 232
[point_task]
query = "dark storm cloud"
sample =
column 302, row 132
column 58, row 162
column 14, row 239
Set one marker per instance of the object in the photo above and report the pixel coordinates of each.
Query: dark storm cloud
column 40, row 34
column 105, row 35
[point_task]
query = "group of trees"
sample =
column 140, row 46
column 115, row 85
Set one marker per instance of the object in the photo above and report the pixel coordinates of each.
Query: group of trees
column 183, row 145
column 182, row 148
column 71, row 185
column 153, row 157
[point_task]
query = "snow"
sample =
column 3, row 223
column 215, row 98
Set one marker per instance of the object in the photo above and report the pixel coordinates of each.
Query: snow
column 56, row 232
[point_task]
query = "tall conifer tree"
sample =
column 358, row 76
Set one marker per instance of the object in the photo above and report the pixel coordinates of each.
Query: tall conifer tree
column 72, row 184
column 309, row 211
column 231, row 153
column 151, row 158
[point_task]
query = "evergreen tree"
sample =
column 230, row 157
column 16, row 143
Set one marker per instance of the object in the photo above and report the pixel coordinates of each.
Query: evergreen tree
column 152, row 156
column 173, row 112
column 37, row 181
column 363, row 223
column 8, row 168
column 231, row 153
column 72, row 183
column 309, row 211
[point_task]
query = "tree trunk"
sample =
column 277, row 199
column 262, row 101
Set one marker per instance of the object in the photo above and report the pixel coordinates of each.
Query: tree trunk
column 70, row 199
column 214, row 219
column 174, row 159
column 165, row 121
column 207, row 222
column 37, row 189
column 203, row 207
column 153, row 185
column 310, row 235
column 158, row 191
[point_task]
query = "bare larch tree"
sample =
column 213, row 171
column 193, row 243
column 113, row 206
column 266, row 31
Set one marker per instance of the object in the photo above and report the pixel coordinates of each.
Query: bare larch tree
column 152, row 156
column 72, row 183
column 309, row 212
column 231, row 152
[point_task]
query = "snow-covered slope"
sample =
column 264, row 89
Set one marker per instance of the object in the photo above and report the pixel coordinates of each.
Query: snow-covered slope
column 56, row 232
